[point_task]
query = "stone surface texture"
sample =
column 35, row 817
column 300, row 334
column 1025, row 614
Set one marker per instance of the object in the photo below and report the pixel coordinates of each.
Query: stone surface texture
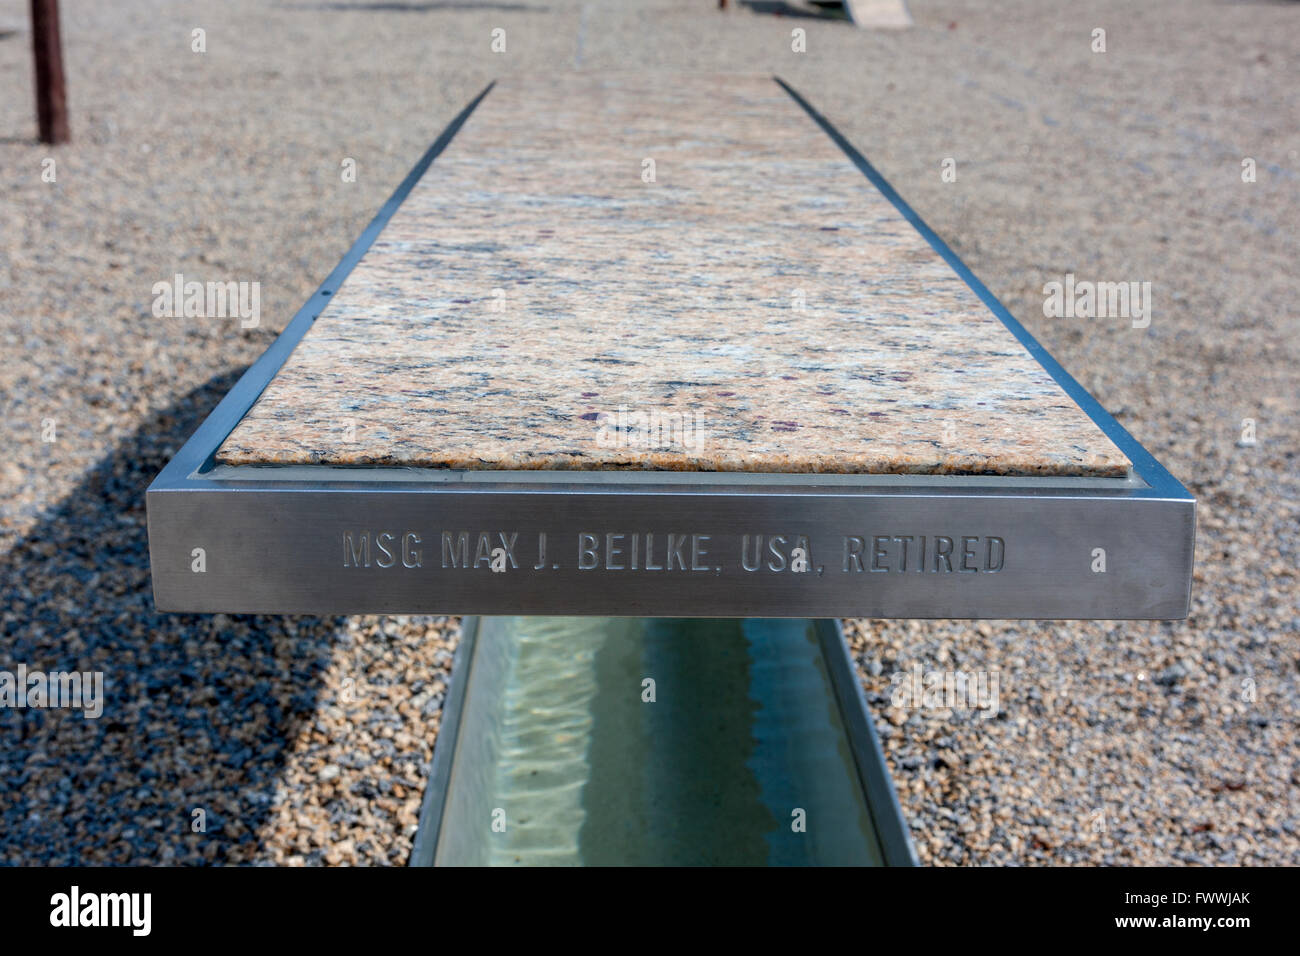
column 660, row 271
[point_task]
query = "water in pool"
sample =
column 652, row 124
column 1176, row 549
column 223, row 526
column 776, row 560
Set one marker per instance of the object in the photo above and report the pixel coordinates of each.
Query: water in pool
column 740, row 758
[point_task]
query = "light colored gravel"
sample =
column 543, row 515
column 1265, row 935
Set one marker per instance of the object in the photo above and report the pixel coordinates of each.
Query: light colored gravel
column 225, row 165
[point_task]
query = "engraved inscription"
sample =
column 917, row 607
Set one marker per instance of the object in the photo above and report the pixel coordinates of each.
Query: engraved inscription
column 777, row 552
column 921, row 554
column 455, row 549
column 638, row 551
column 675, row 551
column 390, row 548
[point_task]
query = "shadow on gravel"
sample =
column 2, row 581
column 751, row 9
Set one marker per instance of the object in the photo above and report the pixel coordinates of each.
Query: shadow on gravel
column 198, row 711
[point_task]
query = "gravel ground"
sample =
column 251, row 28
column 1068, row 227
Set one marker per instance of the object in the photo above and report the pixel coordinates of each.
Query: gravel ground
column 306, row 740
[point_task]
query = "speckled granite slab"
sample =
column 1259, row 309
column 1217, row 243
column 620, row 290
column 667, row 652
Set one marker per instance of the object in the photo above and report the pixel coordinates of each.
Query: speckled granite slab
column 627, row 271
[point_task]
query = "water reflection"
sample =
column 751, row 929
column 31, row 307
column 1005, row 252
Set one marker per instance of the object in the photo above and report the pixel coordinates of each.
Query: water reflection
column 740, row 758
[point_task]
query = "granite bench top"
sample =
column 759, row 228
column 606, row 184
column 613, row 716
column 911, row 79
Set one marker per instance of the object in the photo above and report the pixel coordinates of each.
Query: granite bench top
column 548, row 298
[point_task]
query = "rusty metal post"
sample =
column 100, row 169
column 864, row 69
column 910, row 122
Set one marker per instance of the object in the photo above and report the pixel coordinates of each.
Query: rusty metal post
column 51, row 94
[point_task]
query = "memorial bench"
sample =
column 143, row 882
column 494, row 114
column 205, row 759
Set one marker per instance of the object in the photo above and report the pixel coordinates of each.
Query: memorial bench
column 661, row 346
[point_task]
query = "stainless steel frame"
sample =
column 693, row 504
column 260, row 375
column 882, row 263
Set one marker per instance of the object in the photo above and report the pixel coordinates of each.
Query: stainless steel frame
column 307, row 539
column 444, row 748
column 868, row 755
